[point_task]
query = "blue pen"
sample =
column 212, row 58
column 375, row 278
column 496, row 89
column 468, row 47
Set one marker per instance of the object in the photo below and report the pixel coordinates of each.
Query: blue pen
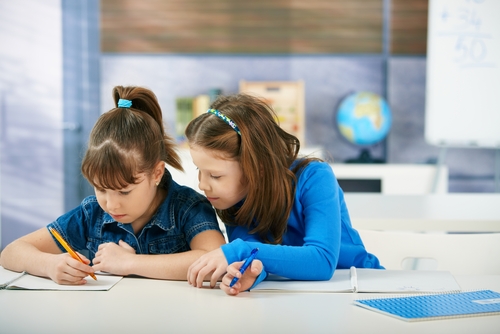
column 245, row 266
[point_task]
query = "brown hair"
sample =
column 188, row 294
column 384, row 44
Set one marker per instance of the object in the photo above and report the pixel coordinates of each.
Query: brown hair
column 265, row 152
column 128, row 141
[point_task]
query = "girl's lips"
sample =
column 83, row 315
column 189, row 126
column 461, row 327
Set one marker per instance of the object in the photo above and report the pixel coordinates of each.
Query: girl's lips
column 116, row 217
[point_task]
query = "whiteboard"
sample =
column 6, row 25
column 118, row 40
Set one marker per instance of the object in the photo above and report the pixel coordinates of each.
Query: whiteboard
column 463, row 73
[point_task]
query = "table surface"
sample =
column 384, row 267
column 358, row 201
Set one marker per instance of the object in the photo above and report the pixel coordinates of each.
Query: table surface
column 443, row 212
column 138, row 305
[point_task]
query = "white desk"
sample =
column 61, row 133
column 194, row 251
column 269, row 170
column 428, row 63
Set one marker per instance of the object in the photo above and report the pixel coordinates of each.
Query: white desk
column 151, row 306
column 446, row 212
column 396, row 179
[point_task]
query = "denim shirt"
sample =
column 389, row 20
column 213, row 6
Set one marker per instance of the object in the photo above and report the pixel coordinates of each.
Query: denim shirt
column 183, row 214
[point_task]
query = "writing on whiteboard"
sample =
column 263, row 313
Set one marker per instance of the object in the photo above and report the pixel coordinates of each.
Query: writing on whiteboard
column 462, row 107
column 464, row 24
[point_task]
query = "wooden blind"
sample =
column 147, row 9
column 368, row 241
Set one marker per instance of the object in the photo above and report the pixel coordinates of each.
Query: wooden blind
column 256, row 26
column 409, row 27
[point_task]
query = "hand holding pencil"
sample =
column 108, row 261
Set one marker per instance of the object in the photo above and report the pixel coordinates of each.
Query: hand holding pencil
column 241, row 275
column 68, row 248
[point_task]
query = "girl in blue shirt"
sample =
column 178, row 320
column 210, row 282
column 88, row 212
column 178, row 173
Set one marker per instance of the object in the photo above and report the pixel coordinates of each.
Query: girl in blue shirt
column 140, row 221
column 292, row 209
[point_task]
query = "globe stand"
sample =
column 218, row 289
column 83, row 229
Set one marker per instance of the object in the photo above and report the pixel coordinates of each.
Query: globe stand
column 365, row 158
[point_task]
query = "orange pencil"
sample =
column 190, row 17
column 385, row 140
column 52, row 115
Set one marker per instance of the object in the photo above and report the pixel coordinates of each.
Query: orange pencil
column 68, row 248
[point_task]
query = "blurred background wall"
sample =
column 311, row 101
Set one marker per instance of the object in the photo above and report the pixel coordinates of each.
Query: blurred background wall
column 60, row 59
column 49, row 100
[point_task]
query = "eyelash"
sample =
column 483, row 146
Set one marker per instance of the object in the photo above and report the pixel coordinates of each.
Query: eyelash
column 212, row 176
column 121, row 192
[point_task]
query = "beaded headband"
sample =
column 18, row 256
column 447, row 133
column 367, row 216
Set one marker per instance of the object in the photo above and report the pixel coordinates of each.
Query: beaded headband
column 122, row 103
column 225, row 119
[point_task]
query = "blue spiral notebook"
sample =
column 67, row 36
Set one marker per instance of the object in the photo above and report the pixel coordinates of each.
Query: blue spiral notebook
column 436, row 306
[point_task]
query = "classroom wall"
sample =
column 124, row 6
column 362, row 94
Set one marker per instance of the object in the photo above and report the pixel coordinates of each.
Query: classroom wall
column 49, row 100
column 31, row 115
column 32, row 84
column 327, row 80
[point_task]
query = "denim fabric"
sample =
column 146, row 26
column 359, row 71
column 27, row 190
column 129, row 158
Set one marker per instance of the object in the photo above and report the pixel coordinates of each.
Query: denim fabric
column 182, row 215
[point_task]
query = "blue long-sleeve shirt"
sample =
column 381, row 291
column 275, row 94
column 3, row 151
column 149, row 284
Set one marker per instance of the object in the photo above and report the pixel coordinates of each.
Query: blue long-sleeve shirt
column 319, row 236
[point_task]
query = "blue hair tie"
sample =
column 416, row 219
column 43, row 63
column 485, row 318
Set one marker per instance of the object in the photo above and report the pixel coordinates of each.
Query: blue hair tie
column 225, row 119
column 122, row 103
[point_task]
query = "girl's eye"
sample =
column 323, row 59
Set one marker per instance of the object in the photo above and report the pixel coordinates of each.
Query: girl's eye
column 214, row 177
column 125, row 192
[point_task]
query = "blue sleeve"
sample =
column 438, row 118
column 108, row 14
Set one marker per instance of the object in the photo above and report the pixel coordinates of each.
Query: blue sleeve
column 311, row 247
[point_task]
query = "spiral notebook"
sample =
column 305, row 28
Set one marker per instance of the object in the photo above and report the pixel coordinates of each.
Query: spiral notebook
column 436, row 306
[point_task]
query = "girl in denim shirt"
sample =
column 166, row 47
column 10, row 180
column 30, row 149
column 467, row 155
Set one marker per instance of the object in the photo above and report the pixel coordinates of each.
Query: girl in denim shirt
column 140, row 221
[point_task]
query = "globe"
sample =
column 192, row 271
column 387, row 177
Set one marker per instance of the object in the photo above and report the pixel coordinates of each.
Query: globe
column 364, row 118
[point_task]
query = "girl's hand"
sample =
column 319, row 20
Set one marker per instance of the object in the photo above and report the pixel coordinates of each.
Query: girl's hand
column 212, row 264
column 114, row 258
column 245, row 281
column 68, row 271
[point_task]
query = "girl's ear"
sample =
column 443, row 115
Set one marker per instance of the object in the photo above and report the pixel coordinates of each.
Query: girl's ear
column 159, row 171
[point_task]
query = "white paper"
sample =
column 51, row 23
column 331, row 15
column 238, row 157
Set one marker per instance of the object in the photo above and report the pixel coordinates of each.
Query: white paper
column 30, row 282
column 7, row 277
column 369, row 280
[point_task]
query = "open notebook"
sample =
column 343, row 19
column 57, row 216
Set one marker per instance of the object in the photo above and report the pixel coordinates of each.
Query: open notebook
column 368, row 280
column 11, row 280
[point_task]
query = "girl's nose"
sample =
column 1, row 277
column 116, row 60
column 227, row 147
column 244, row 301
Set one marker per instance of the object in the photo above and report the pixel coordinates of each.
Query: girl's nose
column 112, row 203
column 202, row 184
